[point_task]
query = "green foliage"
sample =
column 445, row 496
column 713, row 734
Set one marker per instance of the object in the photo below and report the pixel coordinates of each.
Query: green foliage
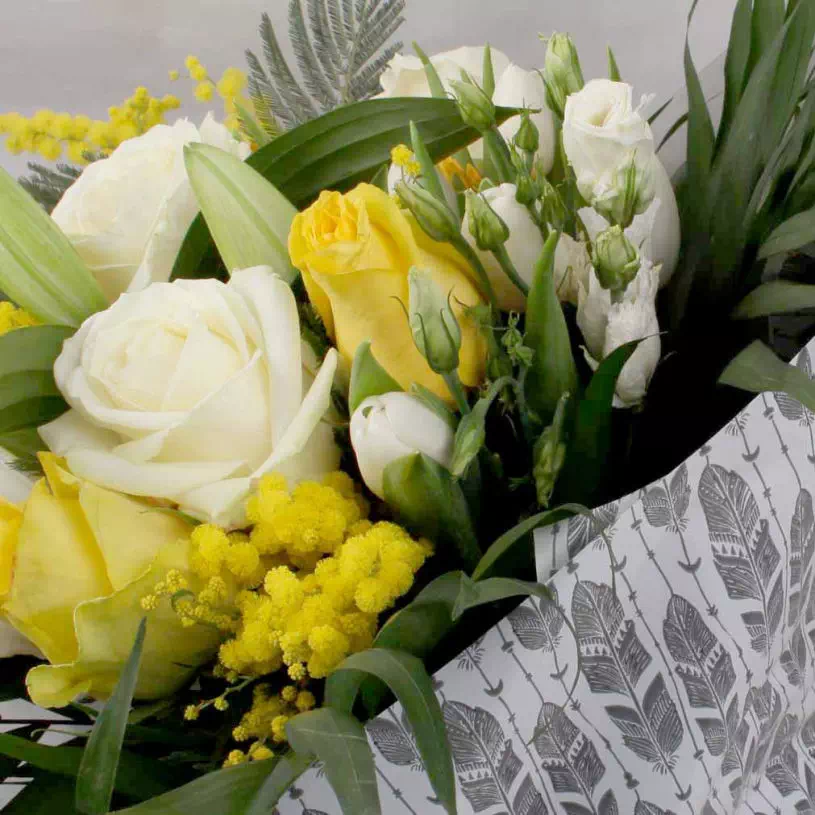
column 100, row 761
column 368, row 378
column 284, row 771
column 337, row 54
column 409, row 681
column 478, row 593
column 46, row 185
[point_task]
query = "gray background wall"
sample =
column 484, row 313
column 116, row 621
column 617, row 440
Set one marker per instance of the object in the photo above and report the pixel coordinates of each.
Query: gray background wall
column 84, row 55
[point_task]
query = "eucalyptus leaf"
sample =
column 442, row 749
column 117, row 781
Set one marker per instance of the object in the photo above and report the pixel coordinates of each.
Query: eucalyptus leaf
column 368, row 378
column 39, row 268
column 286, row 770
column 553, row 371
column 100, row 761
column 790, row 236
column 427, row 500
column 409, row 681
column 247, row 217
column 758, row 370
column 478, row 593
column 776, row 297
column 339, row 741
column 341, row 149
column 223, row 792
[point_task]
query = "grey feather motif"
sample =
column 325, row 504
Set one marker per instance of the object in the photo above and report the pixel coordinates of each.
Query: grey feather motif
column 791, row 408
column 584, row 530
column 802, row 548
column 395, row 742
column 747, row 558
column 539, row 627
column 667, row 505
column 528, row 800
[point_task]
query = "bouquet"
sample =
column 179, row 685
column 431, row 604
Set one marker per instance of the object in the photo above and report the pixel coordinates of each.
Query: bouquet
column 287, row 397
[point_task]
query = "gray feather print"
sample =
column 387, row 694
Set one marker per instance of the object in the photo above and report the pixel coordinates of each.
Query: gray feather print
column 791, row 408
column 802, row 547
column 538, row 628
column 528, row 800
column 395, row 742
column 644, row 808
column 666, row 506
column 747, row 558
column 583, row 530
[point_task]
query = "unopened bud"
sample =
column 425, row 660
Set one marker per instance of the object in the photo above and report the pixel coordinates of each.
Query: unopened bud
column 553, row 209
column 630, row 192
column 433, row 216
column 486, row 226
column 550, row 454
column 561, row 70
column 527, row 190
column 476, row 108
column 435, row 330
column 616, row 260
column 527, row 138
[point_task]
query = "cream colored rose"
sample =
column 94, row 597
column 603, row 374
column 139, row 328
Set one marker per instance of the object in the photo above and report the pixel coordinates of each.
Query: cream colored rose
column 127, row 215
column 514, row 87
column 191, row 390
column 602, row 134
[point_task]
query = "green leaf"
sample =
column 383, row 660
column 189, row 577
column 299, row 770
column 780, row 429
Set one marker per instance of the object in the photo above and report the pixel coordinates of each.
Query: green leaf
column 472, row 429
column 46, row 795
column 339, row 150
column 251, row 126
column 736, row 63
column 248, row 218
column 758, row 370
column 433, row 80
column 775, row 297
column 29, row 395
column 223, row 792
column 767, row 20
column 368, row 378
column 488, row 73
column 659, row 111
column 100, row 760
column 791, row 235
column 137, row 776
column 518, row 532
column 430, row 179
column 286, row 770
column 613, row 68
column 473, row 594
column 339, row 741
column 39, row 269
column 427, row 500
column 553, row 371
column 408, row 680
column 587, row 455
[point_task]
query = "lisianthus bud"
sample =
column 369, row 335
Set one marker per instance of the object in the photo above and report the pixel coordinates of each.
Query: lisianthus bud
column 527, row 190
column 553, row 209
column 616, row 260
column 486, row 226
column 527, row 138
column 436, row 331
column 434, row 217
column 562, row 71
column 630, row 191
column 550, row 454
column 476, row 108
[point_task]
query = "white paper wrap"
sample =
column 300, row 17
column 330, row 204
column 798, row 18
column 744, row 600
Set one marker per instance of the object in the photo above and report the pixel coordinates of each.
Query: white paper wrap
column 675, row 672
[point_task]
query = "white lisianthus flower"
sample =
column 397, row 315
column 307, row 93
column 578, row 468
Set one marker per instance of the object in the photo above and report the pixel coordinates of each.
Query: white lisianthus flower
column 572, row 268
column 127, row 215
column 190, row 391
column 389, row 427
column 523, row 246
column 514, row 87
column 607, row 325
column 602, row 135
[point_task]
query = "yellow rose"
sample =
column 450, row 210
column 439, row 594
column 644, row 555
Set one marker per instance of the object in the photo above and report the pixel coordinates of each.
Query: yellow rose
column 75, row 563
column 354, row 252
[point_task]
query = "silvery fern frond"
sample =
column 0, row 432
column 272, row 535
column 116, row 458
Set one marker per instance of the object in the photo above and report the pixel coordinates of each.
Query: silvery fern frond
column 46, row 186
column 338, row 47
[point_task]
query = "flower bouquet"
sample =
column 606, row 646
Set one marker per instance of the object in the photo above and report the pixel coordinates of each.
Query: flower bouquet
column 298, row 407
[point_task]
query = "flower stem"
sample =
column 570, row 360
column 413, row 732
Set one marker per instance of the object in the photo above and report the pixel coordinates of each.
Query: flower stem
column 499, row 152
column 502, row 256
column 469, row 253
column 457, row 389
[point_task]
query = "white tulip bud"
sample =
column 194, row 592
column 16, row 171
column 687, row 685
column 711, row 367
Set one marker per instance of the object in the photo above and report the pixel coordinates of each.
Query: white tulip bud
column 389, row 427
column 523, row 246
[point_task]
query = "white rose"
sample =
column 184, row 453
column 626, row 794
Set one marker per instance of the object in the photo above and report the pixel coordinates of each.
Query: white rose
column 127, row 215
column 514, row 87
column 602, row 134
column 607, row 325
column 389, row 427
column 524, row 246
column 190, row 391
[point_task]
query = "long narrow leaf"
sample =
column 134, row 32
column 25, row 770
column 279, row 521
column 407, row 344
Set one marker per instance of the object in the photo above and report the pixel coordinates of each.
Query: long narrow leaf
column 247, row 217
column 767, row 20
column 39, row 269
column 798, row 231
column 738, row 57
column 100, row 761
column 757, row 370
column 284, row 772
column 776, row 297
column 339, row 741
column 409, row 681
column 474, row 594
